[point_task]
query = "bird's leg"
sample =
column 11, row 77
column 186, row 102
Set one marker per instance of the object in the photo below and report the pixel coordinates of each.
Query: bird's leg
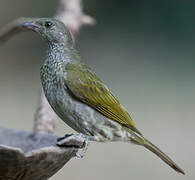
column 79, row 141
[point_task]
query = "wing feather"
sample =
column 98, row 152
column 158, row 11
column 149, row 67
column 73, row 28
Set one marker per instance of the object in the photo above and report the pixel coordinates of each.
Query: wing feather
column 88, row 88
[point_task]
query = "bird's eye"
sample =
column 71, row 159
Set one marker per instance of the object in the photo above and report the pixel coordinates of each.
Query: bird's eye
column 48, row 24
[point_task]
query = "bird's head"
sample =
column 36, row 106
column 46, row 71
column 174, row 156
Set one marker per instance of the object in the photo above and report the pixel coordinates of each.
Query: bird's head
column 50, row 29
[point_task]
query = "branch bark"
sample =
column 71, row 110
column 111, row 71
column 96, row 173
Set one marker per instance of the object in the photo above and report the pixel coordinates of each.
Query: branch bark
column 45, row 117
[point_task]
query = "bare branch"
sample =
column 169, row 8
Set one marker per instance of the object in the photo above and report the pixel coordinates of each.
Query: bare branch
column 11, row 29
column 45, row 117
column 71, row 14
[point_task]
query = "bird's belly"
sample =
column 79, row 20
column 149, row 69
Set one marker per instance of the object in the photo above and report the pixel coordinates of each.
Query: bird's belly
column 76, row 114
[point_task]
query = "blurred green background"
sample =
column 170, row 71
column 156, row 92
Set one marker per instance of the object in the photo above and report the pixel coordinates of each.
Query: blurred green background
column 144, row 51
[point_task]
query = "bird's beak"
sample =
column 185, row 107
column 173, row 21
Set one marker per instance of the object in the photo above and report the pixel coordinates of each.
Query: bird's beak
column 30, row 25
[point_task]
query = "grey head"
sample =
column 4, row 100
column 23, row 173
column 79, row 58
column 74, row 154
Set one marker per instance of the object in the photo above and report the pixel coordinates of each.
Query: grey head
column 52, row 30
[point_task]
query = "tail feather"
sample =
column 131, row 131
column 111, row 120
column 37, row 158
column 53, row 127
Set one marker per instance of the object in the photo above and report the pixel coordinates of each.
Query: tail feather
column 147, row 144
column 137, row 138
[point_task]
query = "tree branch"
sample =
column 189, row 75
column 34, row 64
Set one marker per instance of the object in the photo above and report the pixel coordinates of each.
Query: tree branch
column 45, row 117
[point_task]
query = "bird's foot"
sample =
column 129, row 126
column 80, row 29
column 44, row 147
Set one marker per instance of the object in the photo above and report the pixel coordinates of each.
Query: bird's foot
column 85, row 146
column 74, row 140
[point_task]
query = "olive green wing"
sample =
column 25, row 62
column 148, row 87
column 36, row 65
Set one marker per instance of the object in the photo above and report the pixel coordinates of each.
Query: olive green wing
column 88, row 88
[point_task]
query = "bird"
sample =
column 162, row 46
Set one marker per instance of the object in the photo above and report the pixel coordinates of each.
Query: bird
column 78, row 96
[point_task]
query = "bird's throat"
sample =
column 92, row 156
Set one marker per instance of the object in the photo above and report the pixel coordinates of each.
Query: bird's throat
column 60, row 52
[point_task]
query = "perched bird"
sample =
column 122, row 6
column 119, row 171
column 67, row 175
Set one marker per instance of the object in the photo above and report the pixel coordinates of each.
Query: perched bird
column 79, row 97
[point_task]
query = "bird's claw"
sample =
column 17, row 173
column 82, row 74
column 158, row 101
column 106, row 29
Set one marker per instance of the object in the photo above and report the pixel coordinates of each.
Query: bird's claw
column 80, row 154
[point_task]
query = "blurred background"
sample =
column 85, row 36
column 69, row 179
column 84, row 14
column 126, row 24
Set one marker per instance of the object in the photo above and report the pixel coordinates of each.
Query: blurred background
column 144, row 51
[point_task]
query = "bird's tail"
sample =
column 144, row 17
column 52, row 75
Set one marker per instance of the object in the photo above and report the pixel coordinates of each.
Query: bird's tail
column 140, row 140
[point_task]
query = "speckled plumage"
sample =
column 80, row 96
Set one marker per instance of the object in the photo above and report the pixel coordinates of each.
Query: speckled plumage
column 79, row 97
column 76, row 114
